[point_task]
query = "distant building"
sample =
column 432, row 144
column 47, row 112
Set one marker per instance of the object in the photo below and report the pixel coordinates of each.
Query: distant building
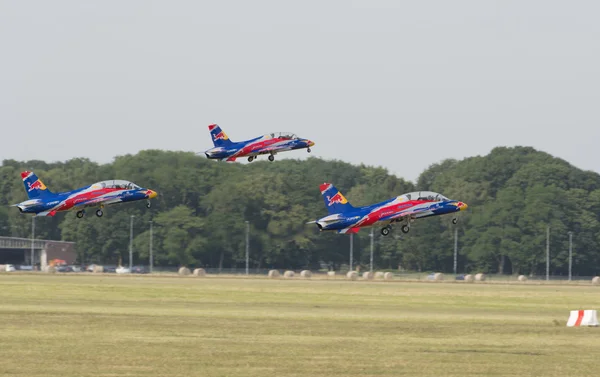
column 17, row 251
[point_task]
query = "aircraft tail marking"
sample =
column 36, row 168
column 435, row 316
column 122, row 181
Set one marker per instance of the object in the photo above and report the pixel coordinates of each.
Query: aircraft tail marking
column 219, row 138
column 334, row 199
column 34, row 187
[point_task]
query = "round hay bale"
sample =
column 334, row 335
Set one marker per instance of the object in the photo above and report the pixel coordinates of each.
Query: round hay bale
column 274, row 274
column 288, row 274
column 306, row 274
column 596, row 280
column 480, row 277
column 368, row 275
column 379, row 275
column 352, row 275
column 184, row 271
column 388, row 276
column 50, row 269
column 199, row 272
column 522, row 278
column 469, row 278
column 331, row 274
column 438, row 276
column 98, row 269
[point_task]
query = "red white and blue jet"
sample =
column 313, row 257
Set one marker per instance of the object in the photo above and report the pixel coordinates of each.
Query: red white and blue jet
column 43, row 202
column 270, row 144
column 403, row 209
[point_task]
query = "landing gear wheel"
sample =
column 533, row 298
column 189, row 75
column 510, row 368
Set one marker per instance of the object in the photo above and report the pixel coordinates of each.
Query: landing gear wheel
column 99, row 213
column 251, row 158
column 271, row 157
column 308, row 150
column 385, row 231
column 80, row 214
column 455, row 221
column 405, row 229
column 148, row 204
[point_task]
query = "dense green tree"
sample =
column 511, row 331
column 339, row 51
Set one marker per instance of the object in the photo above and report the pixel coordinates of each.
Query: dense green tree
column 204, row 208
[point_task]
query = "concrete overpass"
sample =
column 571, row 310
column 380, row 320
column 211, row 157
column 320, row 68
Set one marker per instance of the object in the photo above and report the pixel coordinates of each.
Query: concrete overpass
column 18, row 251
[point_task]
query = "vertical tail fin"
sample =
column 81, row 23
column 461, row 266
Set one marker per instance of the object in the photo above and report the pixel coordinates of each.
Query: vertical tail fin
column 334, row 200
column 34, row 186
column 219, row 138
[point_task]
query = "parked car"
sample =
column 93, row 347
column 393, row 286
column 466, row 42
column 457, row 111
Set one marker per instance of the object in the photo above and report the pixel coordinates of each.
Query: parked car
column 110, row 269
column 64, row 269
column 139, row 270
column 122, row 270
column 10, row 268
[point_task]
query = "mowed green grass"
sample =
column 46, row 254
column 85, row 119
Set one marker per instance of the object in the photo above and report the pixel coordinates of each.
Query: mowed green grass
column 108, row 325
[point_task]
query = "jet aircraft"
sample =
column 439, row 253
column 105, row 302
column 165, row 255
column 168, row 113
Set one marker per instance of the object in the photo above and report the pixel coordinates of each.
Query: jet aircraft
column 43, row 202
column 270, row 144
column 403, row 209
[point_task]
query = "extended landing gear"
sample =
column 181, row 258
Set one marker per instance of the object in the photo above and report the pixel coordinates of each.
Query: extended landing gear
column 271, row 157
column 148, row 204
column 80, row 214
column 308, row 150
column 455, row 221
column 385, row 231
column 99, row 213
column 251, row 158
column 405, row 229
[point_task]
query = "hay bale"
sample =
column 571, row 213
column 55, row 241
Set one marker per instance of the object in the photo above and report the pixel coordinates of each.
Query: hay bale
column 184, row 271
column 352, row 275
column 367, row 275
column 306, row 274
column 469, row 278
column 522, row 278
column 98, row 269
column 273, row 274
column 480, row 277
column 288, row 274
column 330, row 274
column 199, row 272
column 596, row 280
column 438, row 276
column 388, row 276
column 379, row 275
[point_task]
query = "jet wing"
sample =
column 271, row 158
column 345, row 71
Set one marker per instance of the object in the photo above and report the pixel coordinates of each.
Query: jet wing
column 105, row 200
column 407, row 212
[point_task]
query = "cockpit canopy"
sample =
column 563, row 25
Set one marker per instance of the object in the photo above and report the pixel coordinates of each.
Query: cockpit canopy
column 283, row 135
column 424, row 195
column 116, row 184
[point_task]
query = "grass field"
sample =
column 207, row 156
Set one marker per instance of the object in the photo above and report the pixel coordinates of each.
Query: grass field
column 107, row 325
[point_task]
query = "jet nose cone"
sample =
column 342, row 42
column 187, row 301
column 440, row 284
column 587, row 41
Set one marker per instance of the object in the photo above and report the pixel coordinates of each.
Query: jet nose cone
column 310, row 143
column 151, row 194
column 462, row 206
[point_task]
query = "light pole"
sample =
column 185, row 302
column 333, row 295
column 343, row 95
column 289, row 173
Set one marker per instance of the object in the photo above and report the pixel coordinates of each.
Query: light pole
column 247, row 245
column 547, row 253
column 455, row 248
column 131, row 242
column 150, row 251
column 570, row 253
column 372, row 236
column 32, row 240
column 351, row 246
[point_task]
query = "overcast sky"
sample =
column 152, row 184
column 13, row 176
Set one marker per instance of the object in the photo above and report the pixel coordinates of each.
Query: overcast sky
column 399, row 84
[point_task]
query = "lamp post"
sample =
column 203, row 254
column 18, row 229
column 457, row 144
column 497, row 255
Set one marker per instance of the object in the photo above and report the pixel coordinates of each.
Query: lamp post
column 570, row 253
column 351, row 248
column 547, row 253
column 455, row 248
column 371, row 261
column 131, row 242
column 247, row 245
column 32, row 240
column 150, row 251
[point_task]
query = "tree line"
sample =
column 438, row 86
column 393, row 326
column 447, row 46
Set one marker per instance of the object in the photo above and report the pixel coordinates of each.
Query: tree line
column 199, row 218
